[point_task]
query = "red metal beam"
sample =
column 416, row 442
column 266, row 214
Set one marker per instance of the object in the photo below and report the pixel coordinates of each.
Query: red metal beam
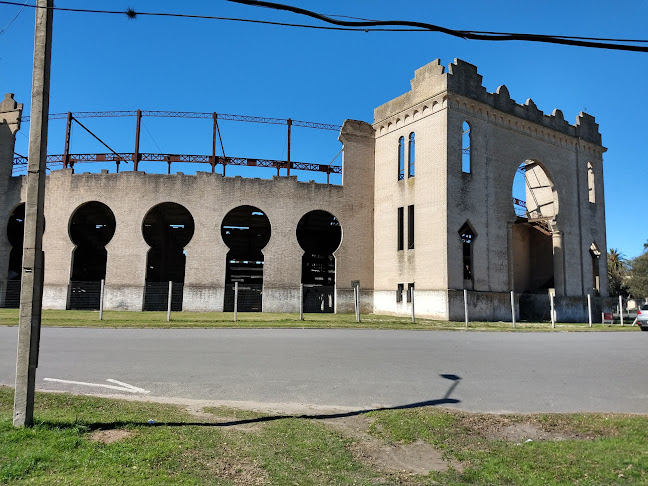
column 186, row 158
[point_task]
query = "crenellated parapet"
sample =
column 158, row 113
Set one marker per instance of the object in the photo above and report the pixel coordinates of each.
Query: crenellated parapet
column 463, row 79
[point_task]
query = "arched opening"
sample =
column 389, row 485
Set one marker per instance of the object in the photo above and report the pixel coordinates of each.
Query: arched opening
column 536, row 207
column 401, row 158
column 411, row 156
column 92, row 226
column 167, row 229
column 319, row 234
column 15, row 235
column 467, row 235
column 465, row 148
column 591, row 192
column 246, row 231
column 595, row 255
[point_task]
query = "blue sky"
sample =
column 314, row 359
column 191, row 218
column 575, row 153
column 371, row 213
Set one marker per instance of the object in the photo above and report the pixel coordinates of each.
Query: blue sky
column 107, row 62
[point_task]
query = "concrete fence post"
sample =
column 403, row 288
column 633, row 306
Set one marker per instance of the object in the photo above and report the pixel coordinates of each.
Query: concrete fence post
column 589, row 309
column 553, row 312
column 101, row 298
column 513, row 308
column 169, row 301
column 465, row 293
column 235, row 301
column 301, row 301
column 621, row 309
column 412, row 299
column 356, row 298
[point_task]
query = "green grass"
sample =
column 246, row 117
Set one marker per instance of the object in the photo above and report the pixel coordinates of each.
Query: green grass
column 259, row 449
column 586, row 449
column 123, row 319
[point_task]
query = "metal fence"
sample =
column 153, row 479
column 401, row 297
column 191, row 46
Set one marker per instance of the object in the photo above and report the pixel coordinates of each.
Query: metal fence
column 12, row 295
column 156, row 296
column 243, row 298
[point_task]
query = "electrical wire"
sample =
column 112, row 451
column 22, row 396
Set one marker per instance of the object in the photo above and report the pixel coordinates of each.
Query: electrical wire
column 14, row 19
column 472, row 35
column 374, row 26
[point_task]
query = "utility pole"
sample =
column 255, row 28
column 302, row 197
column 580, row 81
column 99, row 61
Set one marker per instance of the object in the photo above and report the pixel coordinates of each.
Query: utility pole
column 31, row 291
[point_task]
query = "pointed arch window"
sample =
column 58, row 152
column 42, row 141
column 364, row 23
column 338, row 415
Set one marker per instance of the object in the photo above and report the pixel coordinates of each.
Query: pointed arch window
column 401, row 158
column 467, row 235
column 591, row 192
column 595, row 254
column 465, row 148
column 411, row 156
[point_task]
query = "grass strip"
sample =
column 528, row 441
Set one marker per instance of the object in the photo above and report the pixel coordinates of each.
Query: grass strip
column 89, row 440
column 123, row 319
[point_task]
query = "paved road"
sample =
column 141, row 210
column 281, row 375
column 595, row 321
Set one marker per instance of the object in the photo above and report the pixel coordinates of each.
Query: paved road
column 491, row 372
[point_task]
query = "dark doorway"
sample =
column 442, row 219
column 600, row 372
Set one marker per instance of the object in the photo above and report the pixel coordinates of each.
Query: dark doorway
column 15, row 235
column 92, row 226
column 319, row 234
column 246, row 231
column 167, row 229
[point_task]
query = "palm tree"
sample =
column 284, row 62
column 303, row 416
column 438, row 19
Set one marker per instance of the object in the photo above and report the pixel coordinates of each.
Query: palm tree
column 617, row 267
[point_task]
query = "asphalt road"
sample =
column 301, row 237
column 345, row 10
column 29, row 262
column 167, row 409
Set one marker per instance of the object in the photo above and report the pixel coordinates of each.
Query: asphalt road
column 488, row 372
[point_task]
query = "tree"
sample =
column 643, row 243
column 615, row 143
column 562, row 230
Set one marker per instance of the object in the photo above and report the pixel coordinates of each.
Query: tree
column 617, row 271
column 638, row 275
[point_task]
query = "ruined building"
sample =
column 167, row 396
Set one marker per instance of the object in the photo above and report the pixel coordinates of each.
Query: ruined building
column 425, row 203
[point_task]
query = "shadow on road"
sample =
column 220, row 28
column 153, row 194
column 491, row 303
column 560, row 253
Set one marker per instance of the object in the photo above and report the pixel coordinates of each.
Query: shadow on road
column 445, row 400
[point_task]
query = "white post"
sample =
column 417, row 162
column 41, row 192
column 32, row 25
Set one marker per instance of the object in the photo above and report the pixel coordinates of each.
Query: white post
column 235, row 301
column 589, row 309
column 553, row 313
column 466, row 306
column 621, row 309
column 513, row 308
column 356, row 296
column 169, row 301
column 101, row 297
column 412, row 299
column 301, row 301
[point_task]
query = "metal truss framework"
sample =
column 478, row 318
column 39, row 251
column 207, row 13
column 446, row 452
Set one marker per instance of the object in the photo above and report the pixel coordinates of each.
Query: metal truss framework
column 68, row 160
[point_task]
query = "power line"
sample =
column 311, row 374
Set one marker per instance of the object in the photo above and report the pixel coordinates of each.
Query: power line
column 465, row 34
column 14, row 19
column 377, row 26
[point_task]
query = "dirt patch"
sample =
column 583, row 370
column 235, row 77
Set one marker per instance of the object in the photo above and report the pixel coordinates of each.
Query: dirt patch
column 521, row 428
column 110, row 436
column 415, row 458
column 231, row 466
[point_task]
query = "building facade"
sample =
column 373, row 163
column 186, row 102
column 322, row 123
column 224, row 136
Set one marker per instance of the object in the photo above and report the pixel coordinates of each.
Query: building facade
column 425, row 203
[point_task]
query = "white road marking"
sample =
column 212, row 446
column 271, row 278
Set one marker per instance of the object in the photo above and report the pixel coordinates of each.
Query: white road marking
column 126, row 387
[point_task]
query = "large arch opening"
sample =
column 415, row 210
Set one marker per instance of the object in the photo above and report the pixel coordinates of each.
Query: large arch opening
column 167, row 228
column 246, row 231
column 319, row 234
column 91, row 227
column 536, row 207
column 15, row 235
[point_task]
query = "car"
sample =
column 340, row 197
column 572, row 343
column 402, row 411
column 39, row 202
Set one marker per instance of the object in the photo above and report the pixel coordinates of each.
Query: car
column 642, row 317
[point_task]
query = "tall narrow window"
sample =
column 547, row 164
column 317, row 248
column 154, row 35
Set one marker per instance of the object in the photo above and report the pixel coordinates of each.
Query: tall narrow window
column 411, row 156
column 595, row 253
column 410, row 292
column 399, row 293
column 410, row 227
column 401, row 222
column 590, row 183
column 467, row 235
column 465, row 148
column 401, row 158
